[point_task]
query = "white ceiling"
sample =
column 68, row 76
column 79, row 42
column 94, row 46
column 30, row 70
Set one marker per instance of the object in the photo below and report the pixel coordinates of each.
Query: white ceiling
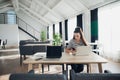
column 53, row 11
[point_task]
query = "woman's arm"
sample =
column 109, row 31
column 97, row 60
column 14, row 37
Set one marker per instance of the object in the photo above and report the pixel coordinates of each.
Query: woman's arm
column 83, row 37
column 67, row 50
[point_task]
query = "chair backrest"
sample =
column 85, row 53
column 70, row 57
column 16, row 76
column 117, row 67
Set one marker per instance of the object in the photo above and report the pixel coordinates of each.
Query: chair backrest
column 1, row 42
column 26, row 76
column 26, row 50
column 94, row 76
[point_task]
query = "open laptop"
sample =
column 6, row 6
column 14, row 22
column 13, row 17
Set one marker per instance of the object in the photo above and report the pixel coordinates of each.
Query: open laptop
column 83, row 50
column 53, row 52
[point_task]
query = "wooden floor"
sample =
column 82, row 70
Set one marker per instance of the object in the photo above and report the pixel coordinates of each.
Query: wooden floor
column 9, row 63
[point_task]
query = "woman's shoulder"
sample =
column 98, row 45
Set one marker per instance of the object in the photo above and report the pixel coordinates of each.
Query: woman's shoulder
column 71, row 41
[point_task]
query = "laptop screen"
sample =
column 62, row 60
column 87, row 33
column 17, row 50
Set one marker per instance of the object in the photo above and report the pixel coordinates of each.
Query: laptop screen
column 54, row 52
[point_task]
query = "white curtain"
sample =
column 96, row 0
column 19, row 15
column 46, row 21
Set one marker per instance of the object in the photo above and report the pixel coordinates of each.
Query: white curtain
column 109, row 30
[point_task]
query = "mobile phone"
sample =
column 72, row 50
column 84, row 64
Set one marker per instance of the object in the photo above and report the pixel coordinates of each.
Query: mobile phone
column 73, row 49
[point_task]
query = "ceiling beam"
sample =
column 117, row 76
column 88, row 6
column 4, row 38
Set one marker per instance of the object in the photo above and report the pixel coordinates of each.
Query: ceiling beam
column 103, row 4
column 82, row 3
column 41, row 22
column 15, row 5
column 50, row 10
column 70, row 4
column 5, row 4
column 32, row 2
column 34, row 13
column 58, row 3
column 33, row 6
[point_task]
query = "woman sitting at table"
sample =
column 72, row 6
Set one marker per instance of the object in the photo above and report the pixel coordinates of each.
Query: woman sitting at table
column 78, row 40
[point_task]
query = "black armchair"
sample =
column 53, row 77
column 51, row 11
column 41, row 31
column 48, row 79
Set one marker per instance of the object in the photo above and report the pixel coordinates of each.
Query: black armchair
column 30, row 47
column 94, row 76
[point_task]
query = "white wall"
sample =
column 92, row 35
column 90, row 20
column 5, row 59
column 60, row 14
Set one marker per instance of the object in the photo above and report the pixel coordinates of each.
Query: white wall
column 10, row 32
column 86, row 24
column 50, row 32
column 71, row 27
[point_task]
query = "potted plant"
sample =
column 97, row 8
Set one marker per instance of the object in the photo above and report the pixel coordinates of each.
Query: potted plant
column 57, row 42
column 43, row 36
column 56, row 39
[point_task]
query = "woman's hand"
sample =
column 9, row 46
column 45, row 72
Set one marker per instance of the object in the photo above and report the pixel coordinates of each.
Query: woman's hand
column 70, row 50
column 73, row 50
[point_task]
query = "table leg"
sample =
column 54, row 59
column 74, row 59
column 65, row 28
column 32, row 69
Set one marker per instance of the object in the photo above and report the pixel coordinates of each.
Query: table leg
column 100, row 67
column 39, row 67
column 63, row 68
column 42, row 68
column 67, row 70
column 88, row 68
column 20, row 60
column 29, row 67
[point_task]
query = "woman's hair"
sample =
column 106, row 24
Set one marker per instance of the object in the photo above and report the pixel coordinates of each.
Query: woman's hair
column 77, row 30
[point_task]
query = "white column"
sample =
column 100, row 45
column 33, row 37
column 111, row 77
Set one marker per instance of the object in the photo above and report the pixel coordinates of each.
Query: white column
column 86, row 24
column 63, row 32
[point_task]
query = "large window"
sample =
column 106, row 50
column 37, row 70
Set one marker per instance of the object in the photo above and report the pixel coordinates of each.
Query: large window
column 8, row 18
column 11, row 17
column 109, row 24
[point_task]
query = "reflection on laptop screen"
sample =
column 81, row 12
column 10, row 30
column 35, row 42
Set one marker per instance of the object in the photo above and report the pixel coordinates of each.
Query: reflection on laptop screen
column 54, row 52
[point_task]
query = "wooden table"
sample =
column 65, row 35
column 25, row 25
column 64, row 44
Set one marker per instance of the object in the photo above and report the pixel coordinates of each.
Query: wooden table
column 70, row 59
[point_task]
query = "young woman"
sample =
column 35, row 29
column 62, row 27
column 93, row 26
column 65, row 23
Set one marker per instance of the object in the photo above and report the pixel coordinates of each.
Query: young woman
column 78, row 40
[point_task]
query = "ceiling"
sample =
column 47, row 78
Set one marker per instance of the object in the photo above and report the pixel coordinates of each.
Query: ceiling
column 53, row 11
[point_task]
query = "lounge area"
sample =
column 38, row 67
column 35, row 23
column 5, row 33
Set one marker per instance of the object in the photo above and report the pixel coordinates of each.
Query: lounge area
column 59, row 40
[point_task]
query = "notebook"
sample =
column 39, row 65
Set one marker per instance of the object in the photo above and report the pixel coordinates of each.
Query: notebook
column 83, row 50
column 54, row 52
column 38, row 56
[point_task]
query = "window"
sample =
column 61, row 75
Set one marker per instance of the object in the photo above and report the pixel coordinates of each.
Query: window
column 8, row 18
column 11, row 17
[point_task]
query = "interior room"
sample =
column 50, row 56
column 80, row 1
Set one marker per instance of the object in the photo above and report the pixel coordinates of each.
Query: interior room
column 31, row 29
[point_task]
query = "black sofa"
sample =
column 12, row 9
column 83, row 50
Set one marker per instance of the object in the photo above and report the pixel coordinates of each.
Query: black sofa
column 32, row 76
column 94, row 76
column 30, row 47
column 37, row 76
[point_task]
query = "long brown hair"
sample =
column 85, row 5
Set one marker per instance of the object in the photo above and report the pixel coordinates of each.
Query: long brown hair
column 77, row 30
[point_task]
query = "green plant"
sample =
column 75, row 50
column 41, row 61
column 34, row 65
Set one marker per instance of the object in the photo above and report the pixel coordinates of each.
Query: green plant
column 56, row 39
column 43, row 36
